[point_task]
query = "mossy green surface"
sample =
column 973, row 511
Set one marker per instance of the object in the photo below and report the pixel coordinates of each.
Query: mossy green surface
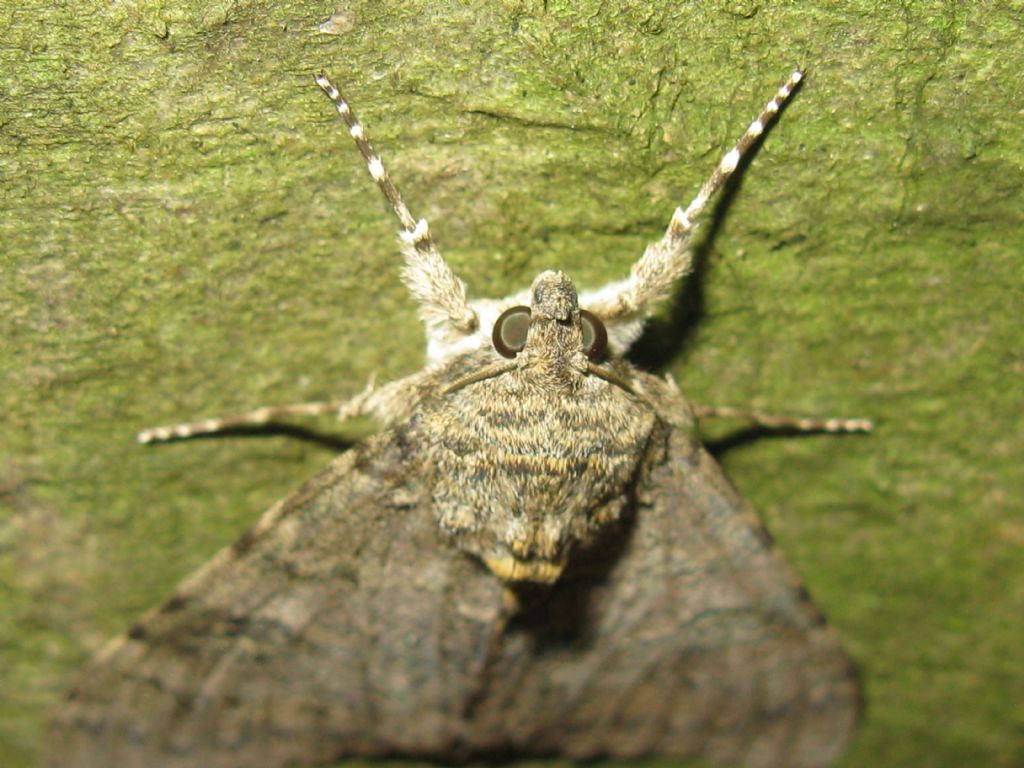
column 185, row 230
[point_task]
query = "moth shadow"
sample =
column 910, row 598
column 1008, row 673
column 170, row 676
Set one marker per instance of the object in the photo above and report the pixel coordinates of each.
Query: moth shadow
column 315, row 437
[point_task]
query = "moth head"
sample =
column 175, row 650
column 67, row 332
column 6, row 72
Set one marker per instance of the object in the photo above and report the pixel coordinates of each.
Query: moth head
column 553, row 297
column 553, row 320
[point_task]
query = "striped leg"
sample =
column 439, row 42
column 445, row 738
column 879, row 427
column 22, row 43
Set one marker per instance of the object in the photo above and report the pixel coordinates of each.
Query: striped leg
column 667, row 260
column 388, row 404
column 259, row 417
column 797, row 423
column 441, row 294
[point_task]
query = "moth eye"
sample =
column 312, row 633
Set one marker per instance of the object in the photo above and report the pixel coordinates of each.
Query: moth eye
column 595, row 337
column 510, row 331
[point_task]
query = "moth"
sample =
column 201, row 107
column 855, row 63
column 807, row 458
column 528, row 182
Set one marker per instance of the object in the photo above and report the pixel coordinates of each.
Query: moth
column 535, row 558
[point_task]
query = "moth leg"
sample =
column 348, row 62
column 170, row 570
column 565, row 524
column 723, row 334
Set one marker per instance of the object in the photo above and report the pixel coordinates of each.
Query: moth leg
column 664, row 395
column 439, row 291
column 665, row 261
column 774, row 421
column 387, row 404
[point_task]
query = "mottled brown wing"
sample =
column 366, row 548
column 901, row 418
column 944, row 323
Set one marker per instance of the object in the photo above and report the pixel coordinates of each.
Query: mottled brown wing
column 684, row 634
column 339, row 625
column 342, row 625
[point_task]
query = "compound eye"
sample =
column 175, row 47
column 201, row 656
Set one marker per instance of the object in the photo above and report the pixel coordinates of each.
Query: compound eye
column 595, row 337
column 510, row 331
